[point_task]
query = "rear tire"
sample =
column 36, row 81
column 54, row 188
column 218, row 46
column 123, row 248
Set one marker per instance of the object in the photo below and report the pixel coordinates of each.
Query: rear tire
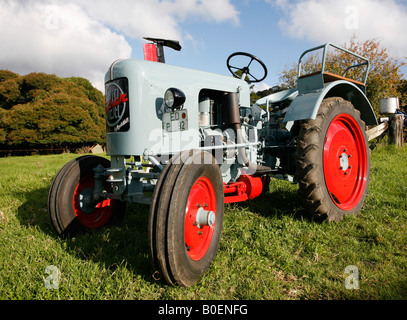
column 333, row 161
column 68, row 213
column 181, row 250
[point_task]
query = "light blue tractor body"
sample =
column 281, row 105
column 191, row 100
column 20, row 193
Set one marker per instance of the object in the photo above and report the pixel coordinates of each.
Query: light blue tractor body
column 147, row 84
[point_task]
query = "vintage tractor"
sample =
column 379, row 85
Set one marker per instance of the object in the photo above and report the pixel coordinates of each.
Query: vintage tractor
column 186, row 142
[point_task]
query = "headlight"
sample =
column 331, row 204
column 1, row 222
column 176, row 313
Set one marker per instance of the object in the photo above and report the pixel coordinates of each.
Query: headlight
column 169, row 98
column 174, row 98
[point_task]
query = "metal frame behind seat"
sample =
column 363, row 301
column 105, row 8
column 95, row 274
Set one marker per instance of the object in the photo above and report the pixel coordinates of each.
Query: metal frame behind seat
column 331, row 75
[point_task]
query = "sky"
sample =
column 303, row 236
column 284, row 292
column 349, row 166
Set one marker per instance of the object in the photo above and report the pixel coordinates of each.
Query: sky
column 83, row 37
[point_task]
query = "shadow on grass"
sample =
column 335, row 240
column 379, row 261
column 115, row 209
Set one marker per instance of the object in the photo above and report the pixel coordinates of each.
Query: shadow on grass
column 278, row 203
column 125, row 244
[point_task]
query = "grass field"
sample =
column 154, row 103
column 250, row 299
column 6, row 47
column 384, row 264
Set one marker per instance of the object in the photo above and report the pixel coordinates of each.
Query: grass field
column 270, row 248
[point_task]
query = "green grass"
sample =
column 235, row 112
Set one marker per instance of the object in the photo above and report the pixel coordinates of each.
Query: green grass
column 270, row 248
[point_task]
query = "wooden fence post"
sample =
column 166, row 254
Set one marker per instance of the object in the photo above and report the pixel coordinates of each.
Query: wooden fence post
column 396, row 122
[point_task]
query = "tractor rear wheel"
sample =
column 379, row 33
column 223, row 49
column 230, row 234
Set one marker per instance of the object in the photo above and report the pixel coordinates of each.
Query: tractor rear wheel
column 69, row 206
column 333, row 161
column 186, row 217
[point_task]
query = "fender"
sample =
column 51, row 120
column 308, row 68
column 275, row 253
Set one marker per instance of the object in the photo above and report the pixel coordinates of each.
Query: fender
column 305, row 106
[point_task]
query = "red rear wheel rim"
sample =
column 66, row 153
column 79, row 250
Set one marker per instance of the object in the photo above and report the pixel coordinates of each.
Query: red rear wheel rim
column 198, row 240
column 345, row 162
column 90, row 216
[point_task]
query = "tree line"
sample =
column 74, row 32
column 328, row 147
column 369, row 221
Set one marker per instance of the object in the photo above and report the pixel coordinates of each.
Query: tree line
column 39, row 111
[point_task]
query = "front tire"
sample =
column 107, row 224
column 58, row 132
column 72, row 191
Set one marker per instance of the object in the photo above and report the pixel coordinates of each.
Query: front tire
column 333, row 161
column 68, row 211
column 182, row 249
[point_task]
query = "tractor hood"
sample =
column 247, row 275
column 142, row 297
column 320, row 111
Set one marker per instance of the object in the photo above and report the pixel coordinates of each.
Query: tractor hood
column 135, row 92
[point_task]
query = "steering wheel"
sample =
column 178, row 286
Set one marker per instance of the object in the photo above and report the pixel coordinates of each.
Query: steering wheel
column 246, row 70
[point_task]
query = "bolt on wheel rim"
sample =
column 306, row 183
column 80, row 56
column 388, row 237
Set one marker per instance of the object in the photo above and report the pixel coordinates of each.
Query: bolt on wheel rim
column 201, row 200
column 345, row 162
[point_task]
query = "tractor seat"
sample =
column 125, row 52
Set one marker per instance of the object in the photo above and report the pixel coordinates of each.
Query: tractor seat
column 330, row 77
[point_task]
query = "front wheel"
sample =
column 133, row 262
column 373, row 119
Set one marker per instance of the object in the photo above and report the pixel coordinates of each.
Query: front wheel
column 69, row 200
column 186, row 217
column 333, row 161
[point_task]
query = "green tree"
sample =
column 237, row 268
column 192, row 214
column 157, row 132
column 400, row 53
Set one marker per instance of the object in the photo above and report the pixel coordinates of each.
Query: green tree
column 40, row 111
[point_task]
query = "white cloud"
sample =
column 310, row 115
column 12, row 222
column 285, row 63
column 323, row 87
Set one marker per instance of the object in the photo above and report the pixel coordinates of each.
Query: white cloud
column 209, row 10
column 60, row 39
column 159, row 18
column 82, row 38
column 261, row 87
column 335, row 21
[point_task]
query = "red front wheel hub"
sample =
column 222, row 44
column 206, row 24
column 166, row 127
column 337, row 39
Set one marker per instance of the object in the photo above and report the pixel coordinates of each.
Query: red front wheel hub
column 90, row 215
column 201, row 202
